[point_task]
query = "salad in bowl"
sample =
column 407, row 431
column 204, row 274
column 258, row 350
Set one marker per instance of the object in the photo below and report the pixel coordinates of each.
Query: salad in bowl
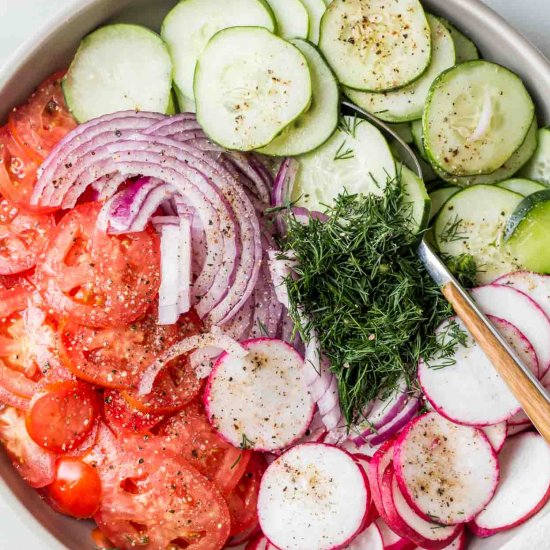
column 216, row 331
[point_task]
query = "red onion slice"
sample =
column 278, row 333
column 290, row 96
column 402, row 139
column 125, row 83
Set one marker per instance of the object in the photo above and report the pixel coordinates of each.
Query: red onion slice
column 185, row 261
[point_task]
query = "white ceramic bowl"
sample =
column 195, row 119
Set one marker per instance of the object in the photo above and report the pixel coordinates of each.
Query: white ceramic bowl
column 52, row 49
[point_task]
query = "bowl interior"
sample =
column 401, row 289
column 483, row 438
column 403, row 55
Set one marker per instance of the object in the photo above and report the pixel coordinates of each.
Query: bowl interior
column 52, row 49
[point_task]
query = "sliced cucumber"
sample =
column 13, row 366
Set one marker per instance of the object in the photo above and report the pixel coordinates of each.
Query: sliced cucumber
column 506, row 171
column 407, row 103
column 249, row 86
column 108, row 74
column 528, row 232
column 315, row 10
column 465, row 49
column 376, row 45
column 472, row 222
column 185, row 105
column 477, row 115
column 416, row 131
column 522, row 186
column 427, row 173
column 316, row 125
column 538, row 168
column 191, row 23
column 403, row 131
column 440, row 196
column 356, row 158
column 292, row 18
column 172, row 108
column 415, row 193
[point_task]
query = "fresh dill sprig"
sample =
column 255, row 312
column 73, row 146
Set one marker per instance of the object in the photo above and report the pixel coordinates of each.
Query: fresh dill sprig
column 343, row 153
column 362, row 288
column 464, row 267
column 262, row 328
column 451, row 231
column 350, row 124
column 447, row 338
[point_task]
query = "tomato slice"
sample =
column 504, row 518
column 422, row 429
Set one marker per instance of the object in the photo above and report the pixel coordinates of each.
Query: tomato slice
column 121, row 417
column 190, row 434
column 97, row 279
column 62, row 416
column 22, row 237
column 35, row 464
column 152, row 498
column 116, row 357
column 76, row 488
column 243, row 499
column 40, row 123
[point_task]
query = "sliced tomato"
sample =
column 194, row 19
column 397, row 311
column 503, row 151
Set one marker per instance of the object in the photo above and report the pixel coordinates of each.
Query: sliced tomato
column 190, row 434
column 17, row 173
column 76, row 488
column 40, row 123
column 22, row 237
column 243, row 499
column 35, row 464
column 116, row 357
column 62, row 416
column 97, row 279
column 152, row 498
column 121, row 417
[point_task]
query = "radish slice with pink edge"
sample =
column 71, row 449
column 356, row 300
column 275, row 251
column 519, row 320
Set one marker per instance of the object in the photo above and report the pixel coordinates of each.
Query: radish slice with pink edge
column 259, row 400
column 259, row 543
column 391, row 540
column 363, row 449
column 403, row 518
column 305, row 496
column 372, row 512
column 496, row 434
column 466, row 388
column 520, row 310
column 369, row 539
column 519, row 419
column 524, row 485
column 458, row 544
column 375, row 472
column 519, row 428
column 447, row 472
column 241, row 539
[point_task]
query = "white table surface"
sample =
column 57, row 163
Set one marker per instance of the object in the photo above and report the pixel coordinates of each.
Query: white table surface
column 18, row 20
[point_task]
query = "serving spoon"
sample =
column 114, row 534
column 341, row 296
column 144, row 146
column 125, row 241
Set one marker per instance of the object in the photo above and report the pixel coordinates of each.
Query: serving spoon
column 519, row 378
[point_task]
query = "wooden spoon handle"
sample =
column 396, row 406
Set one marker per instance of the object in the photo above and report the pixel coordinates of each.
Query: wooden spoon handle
column 535, row 404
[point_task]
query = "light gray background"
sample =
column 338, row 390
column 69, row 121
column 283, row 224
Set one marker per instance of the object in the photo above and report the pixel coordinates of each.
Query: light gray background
column 18, row 20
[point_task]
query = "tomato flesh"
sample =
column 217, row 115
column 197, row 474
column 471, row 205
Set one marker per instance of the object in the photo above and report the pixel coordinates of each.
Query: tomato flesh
column 121, row 417
column 76, row 488
column 62, row 416
column 96, row 279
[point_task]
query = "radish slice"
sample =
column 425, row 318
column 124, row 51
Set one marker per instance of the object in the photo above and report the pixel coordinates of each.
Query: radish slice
column 259, row 543
column 364, row 448
column 259, row 401
column 391, row 540
column 375, row 472
column 524, row 485
column 496, row 435
column 369, row 539
column 446, row 471
column 418, row 530
column 306, row 495
column 521, row 311
column 517, row 429
column 468, row 389
column 458, row 544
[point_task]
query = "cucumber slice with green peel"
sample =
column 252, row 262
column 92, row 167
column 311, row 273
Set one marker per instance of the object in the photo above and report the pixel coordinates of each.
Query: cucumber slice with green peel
column 506, row 171
column 315, row 10
column 407, row 103
column 527, row 232
column 439, row 197
column 477, row 115
column 416, row 131
column 249, row 86
column 524, row 187
column 472, row 221
column 538, row 168
column 185, row 105
column 318, row 123
column 376, row 45
column 465, row 49
column 356, row 158
column 172, row 108
column 428, row 175
column 292, row 18
column 415, row 194
column 191, row 23
column 108, row 74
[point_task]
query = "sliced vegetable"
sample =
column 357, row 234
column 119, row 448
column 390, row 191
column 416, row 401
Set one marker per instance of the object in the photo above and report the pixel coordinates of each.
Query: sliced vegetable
column 369, row 538
column 439, row 197
column 304, row 498
column 315, row 10
column 376, row 46
column 249, row 86
column 465, row 49
column 292, row 18
column 108, row 74
column 522, row 186
column 538, row 168
column 317, row 124
column 189, row 26
column 269, row 379
column 415, row 194
column 496, row 435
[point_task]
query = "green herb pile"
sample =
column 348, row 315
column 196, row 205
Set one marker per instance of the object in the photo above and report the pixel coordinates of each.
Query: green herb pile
column 367, row 295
